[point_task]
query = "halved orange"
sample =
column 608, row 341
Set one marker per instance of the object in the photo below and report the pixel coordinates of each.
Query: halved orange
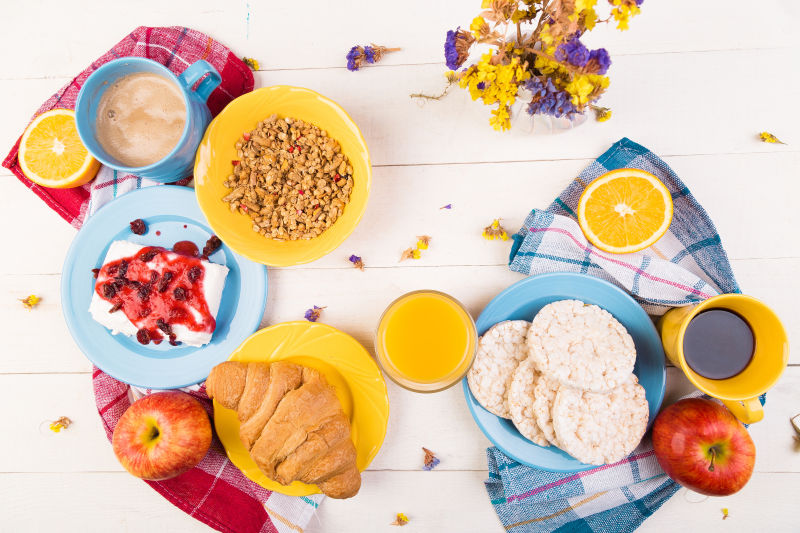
column 51, row 153
column 625, row 210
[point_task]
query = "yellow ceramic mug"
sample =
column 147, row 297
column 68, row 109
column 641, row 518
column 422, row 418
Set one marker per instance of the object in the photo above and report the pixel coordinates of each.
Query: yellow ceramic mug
column 771, row 353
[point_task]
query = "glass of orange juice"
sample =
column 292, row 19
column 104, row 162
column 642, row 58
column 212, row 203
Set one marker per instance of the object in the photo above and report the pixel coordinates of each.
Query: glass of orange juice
column 426, row 341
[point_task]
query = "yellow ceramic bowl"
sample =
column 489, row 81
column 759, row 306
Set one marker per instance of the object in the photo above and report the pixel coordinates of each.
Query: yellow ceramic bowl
column 217, row 151
column 347, row 366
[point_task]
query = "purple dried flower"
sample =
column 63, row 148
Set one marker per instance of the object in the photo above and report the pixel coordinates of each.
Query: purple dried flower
column 369, row 54
column 548, row 100
column 357, row 262
column 481, row 85
column 448, row 206
column 352, row 57
column 456, row 47
column 573, row 52
column 312, row 315
column 599, row 61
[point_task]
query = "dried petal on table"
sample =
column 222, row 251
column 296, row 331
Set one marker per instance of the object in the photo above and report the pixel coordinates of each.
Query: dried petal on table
column 601, row 114
column 495, row 231
column 372, row 53
column 400, row 520
column 795, row 420
column 312, row 315
column 252, row 63
column 410, row 253
column 724, row 513
column 62, row 423
column 357, row 262
column 423, row 241
column 431, row 461
column 448, row 206
column 767, row 137
column 30, row 302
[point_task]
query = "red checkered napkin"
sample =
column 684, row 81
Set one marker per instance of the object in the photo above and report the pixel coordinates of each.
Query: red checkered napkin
column 174, row 47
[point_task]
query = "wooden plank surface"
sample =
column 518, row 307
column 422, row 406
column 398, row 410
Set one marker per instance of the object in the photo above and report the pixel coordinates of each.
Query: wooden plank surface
column 693, row 81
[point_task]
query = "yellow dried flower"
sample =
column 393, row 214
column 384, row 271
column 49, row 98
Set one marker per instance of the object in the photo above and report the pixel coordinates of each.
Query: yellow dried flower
column 495, row 231
column 400, row 520
column 601, row 114
column 724, row 513
column 62, row 423
column 767, row 137
column 479, row 27
column 423, row 241
column 410, row 253
column 252, row 63
column 30, row 302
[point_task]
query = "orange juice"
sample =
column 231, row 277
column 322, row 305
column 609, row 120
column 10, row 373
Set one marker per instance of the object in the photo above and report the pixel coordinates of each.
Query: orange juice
column 426, row 341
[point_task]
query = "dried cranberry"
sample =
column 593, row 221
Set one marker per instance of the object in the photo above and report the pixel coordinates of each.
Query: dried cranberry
column 116, row 307
column 143, row 336
column 212, row 245
column 144, row 292
column 194, row 273
column 148, row 255
column 144, row 312
column 173, row 340
column 118, row 284
column 95, row 272
column 163, row 326
column 109, row 290
column 113, row 269
column 133, row 283
column 179, row 293
column 138, row 226
column 153, row 277
column 163, row 283
column 123, row 268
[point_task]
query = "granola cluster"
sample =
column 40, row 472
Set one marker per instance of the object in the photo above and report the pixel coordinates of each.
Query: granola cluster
column 291, row 179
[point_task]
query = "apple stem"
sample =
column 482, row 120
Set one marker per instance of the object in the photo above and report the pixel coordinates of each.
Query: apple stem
column 713, row 451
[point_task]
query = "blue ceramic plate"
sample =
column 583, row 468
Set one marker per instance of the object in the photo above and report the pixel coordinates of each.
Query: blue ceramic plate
column 172, row 215
column 522, row 301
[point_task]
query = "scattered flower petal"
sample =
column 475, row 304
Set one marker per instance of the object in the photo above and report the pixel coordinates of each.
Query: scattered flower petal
column 724, row 513
column 601, row 114
column 252, row 63
column 495, row 231
column 312, row 315
column 357, row 262
column 430, row 460
column 400, row 520
column 410, row 253
column 358, row 55
column 62, row 423
column 30, row 302
column 767, row 137
column 448, row 206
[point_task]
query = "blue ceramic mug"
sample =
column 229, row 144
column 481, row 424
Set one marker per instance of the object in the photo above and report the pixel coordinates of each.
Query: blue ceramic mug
column 179, row 163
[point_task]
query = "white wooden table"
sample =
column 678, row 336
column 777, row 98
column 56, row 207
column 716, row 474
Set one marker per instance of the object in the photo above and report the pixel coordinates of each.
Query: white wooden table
column 693, row 81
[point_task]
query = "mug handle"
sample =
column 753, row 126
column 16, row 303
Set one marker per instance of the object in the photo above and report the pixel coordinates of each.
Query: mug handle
column 748, row 411
column 197, row 70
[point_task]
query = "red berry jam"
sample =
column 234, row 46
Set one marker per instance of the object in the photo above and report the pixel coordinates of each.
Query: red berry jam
column 157, row 289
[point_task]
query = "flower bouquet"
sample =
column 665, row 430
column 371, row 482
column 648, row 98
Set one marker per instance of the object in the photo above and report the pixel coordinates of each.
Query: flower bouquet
column 535, row 52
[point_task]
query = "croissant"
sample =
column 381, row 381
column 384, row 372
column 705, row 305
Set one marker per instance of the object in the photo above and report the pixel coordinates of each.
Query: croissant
column 291, row 422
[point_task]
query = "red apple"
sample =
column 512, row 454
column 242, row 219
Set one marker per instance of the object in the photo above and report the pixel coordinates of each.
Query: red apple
column 702, row 446
column 162, row 435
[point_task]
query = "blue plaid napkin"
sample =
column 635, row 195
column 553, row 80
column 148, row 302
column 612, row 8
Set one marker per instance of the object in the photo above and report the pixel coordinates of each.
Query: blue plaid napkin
column 686, row 265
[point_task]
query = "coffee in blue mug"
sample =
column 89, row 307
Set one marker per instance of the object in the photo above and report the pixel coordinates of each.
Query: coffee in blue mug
column 134, row 115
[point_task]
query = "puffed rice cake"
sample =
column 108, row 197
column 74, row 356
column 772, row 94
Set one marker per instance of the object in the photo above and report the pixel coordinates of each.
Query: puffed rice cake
column 581, row 345
column 600, row 428
column 521, row 401
column 500, row 350
column 544, row 394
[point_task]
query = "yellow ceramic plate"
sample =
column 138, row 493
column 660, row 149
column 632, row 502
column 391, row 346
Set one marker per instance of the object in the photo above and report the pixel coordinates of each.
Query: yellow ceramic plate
column 213, row 166
column 347, row 366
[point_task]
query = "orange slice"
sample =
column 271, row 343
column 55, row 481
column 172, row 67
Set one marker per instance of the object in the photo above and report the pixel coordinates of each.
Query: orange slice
column 625, row 210
column 51, row 153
